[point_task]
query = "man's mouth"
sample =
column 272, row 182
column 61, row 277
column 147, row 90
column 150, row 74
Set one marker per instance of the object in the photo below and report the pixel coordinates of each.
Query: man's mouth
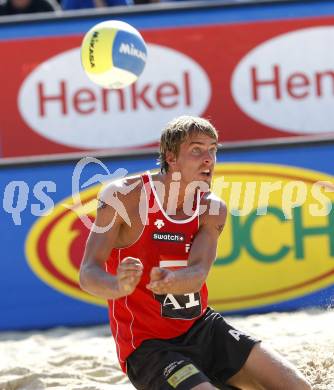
column 206, row 172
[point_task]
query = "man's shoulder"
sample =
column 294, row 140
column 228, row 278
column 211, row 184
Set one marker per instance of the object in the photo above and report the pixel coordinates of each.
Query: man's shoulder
column 125, row 188
column 214, row 207
column 210, row 198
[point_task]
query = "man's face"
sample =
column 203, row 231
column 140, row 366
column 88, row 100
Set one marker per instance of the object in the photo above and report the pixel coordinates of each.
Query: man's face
column 196, row 159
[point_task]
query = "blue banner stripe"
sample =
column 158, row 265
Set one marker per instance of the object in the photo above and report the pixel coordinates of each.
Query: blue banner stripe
column 171, row 18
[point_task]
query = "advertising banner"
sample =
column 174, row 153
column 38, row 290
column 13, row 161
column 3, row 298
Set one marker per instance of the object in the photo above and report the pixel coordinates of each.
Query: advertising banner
column 253, row 79
column 276, row 251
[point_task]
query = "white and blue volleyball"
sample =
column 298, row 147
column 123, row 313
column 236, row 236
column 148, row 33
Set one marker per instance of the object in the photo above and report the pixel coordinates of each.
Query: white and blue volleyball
column 113, row 54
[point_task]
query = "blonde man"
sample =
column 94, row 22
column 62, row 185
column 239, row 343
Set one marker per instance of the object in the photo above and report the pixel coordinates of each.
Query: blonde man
column 152, row 264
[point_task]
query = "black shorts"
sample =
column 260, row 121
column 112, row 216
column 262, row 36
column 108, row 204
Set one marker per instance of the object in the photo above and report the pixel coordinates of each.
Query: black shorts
column 211, row 351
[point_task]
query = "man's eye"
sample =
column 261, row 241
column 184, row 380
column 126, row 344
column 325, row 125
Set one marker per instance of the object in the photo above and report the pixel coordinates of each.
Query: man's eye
column 196, row 151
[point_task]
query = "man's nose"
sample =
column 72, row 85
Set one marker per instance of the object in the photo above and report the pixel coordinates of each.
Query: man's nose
column 208, row 158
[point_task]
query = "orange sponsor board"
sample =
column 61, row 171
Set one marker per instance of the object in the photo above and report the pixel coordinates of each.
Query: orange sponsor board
column 278, row 243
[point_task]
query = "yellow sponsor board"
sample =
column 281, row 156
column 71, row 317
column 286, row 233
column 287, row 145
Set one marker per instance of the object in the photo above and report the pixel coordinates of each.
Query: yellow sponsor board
column 55, row 244
column 280, row 247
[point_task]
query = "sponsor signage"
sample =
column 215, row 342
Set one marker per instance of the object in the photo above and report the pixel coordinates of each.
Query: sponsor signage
column 54, row 246
column 279, row 239
column 275, row 80
column 276, row 251
column 278, row 242
column 288, row 81
column 62, row 107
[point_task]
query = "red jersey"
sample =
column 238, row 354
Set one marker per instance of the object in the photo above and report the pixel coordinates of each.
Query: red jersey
column 164, row 242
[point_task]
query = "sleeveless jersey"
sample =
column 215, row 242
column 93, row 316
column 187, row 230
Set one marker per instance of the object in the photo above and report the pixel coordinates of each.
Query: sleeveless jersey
column 164, row 242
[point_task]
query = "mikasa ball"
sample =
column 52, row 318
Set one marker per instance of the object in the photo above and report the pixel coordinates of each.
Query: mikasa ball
column 113, row 54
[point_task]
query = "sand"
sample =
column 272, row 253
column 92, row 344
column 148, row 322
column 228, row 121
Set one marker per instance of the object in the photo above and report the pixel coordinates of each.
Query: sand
column 85, row 358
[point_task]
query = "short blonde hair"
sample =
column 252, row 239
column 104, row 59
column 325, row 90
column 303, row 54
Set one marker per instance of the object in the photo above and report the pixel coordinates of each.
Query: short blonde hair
column 179, row 130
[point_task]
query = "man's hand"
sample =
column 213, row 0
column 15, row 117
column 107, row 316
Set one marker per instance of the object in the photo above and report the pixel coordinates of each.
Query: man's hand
column 162, row 280
column 129, row 273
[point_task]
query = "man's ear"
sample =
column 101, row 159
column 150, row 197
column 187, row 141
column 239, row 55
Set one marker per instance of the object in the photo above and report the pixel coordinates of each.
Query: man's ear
column 170, row 158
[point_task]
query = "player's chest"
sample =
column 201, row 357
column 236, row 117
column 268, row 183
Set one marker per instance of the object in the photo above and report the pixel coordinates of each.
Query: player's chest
column 165, row 241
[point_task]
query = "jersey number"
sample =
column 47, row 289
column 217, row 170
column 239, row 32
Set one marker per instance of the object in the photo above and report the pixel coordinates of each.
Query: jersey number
column 185, row 306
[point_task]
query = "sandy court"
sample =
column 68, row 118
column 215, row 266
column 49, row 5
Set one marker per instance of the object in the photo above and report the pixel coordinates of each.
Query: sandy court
column 85, row 358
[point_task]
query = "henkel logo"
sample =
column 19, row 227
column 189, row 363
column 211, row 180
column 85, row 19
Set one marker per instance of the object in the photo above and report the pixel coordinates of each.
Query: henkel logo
column 58, row 101
column 287, row 83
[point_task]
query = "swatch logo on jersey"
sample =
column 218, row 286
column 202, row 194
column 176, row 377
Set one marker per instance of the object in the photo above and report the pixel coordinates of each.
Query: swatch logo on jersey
column 169, row 237
column 269, row 253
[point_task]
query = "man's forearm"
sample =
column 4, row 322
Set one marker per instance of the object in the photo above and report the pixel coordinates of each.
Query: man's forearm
column 188, row 280
column 97, row 282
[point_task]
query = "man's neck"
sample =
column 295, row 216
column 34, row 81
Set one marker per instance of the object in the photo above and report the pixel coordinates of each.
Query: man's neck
column 174, row 193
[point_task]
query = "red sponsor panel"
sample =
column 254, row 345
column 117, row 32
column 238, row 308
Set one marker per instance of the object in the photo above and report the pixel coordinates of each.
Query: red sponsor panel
column 253, row 80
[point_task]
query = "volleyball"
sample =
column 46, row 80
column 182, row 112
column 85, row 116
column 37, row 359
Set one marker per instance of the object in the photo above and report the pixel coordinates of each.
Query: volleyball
column 113, row 54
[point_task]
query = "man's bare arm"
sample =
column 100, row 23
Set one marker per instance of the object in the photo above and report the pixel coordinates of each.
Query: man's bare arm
column 202, row 254
column 93, row 277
